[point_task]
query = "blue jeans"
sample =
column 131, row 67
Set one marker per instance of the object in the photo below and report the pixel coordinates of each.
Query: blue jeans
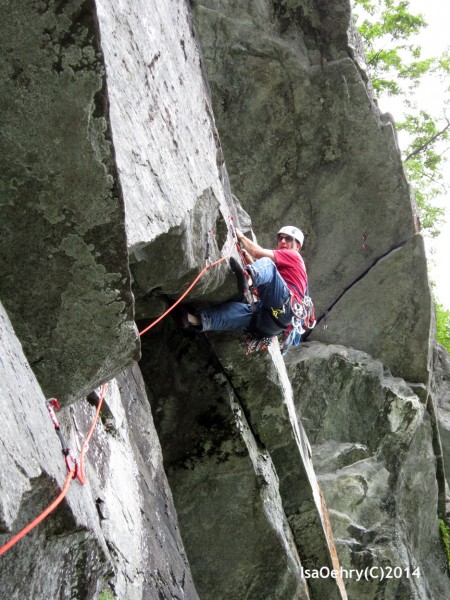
column 274, row 300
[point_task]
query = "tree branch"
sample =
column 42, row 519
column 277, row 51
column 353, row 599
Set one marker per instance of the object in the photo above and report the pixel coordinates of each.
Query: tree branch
column 427, row 143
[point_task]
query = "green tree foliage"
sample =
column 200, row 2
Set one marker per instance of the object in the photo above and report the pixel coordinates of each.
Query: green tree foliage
column 445, row 537
column 386, row 31
column 424, row 164
column 396, row 67
column 443, row 326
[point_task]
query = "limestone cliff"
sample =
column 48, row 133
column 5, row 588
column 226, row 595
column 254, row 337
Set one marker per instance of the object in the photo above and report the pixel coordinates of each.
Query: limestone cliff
column 132, row 134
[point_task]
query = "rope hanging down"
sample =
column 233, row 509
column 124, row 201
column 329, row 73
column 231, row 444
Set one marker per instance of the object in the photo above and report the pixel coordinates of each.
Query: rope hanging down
column 84, row 448
column 42, row 516
column 75, row 471
column 192, row 285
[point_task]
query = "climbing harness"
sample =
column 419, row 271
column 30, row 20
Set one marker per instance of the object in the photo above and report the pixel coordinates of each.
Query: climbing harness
column 304, row 318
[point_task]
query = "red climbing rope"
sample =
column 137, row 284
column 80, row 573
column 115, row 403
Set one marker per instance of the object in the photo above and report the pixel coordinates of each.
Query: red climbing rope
column 202, row 272
column 42, row 516
column 80, row 472
column 74, row 472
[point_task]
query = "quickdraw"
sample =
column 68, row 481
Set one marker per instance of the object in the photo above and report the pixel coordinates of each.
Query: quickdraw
column 304, row 318
column 236, row 241
column 304, row 311
column 71, row 461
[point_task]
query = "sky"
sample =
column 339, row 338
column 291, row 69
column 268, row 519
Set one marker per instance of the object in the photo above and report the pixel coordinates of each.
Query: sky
column 433, row 41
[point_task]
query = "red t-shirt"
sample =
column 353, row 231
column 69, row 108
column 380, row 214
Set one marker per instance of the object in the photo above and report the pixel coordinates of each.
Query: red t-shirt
column 292, row 269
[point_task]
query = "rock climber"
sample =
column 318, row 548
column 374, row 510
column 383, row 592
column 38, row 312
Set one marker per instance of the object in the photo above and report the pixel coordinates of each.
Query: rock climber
column 280, row 279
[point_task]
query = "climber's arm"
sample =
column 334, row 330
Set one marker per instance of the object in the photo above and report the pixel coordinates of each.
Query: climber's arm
column 254, row 249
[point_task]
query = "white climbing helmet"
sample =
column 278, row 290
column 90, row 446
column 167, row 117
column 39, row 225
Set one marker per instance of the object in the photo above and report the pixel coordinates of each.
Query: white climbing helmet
column 294, row 232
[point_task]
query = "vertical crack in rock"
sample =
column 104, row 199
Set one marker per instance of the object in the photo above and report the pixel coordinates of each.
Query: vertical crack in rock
column 265, row 391
column 335, row 168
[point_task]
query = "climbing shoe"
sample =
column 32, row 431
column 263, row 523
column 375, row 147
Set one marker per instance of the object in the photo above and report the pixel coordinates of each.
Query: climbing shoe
column 186, row 320
column 242, row 280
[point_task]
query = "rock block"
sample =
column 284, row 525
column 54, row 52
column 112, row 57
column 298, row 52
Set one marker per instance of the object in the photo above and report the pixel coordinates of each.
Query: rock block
column 263, row 387
column 66, row 283
column 388, row 313
column 236, row 532
column 304, row 142
column 382, row 497
column 119, row 531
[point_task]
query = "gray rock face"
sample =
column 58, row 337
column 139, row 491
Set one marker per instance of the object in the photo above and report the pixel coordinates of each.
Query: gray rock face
column 441, row 394
column 63, row 247
column 96, row 539
column 170, row 162
column 110, row 141
column 297, row 126
column 305, row 144
column 168, row 154
column 245, row 491
column 393, row 317
column 373, row 449
column 265, row 391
